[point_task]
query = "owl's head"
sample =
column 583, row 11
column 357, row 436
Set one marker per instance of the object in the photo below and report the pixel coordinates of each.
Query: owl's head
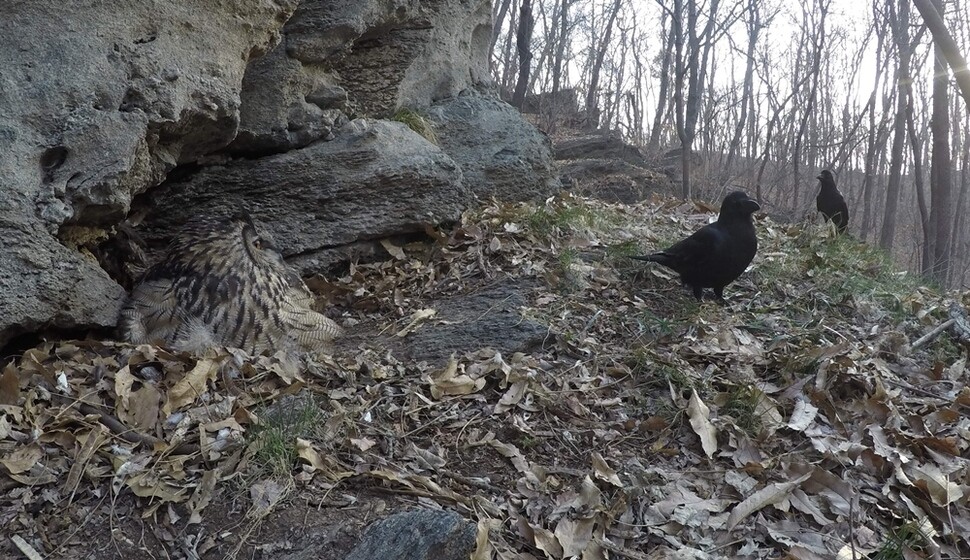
column 258, row 245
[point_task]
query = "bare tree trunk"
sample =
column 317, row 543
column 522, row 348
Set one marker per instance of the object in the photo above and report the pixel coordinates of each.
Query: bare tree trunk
column 523, row 44
column 539, row 79
column 901, row 34
column 700, row 50
column 694, row 69
column 498, row 18
column 924, row 215
column 560, row 46
column 592, row 107
column 813, row 71
column 870, row 161
column 635, row 97
column 948, row 47
column 508, row 68
column 678, row 26
column 662, row 95
column 959, row 216
column 940, row 172
column 753, row 24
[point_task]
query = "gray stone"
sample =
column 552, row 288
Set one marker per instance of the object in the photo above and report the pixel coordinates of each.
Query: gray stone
column 600, row 146
column 362, row 59
column 602, row 165
column 45, row 284
column 286, row 106
column 613, row 180
column 488, row 318
column 417, row 535
column 375, row 179
column 500, row 154
column 99, row 101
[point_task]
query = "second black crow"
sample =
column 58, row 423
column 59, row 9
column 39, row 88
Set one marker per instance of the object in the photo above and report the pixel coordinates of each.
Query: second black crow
column 715, row 255
column 830, row 201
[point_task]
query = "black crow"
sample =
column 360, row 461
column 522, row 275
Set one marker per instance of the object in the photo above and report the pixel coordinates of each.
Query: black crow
column 830, row 202
column 715, row 255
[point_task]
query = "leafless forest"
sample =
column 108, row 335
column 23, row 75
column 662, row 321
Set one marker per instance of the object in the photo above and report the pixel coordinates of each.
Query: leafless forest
column 763, row 94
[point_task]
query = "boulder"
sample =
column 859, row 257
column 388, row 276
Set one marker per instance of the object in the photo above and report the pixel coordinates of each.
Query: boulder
column 100, row 101
column 286, row 105
column 360, row 59
column 206, row 106
column 488, row 318
column 375, row 179
column 500, row 154
column 417, row 535
column 603, row 165
column 45, row 284
column 613, row 180
column 600, row 146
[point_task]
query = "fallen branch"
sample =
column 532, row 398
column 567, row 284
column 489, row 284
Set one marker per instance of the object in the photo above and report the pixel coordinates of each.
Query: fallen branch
column 958, row 320
column 118, row 428
column 923, row 340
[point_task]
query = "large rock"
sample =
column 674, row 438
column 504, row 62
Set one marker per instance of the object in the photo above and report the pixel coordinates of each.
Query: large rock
column 417, row 535
column 100, row 101
column 604, row 145
column 375, row 179
column 46, row 284
column 286, row 105
column 604, row 166
column 488, row 318
column 361, row 58
column 103, row 102
column 500, row 154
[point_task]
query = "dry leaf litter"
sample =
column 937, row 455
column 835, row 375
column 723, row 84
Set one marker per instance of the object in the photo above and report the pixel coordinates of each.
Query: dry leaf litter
column 796, row 420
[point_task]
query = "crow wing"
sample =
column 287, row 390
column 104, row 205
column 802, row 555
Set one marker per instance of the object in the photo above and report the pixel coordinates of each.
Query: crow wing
column 693, row 253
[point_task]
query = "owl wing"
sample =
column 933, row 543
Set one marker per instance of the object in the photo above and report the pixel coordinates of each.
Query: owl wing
column 306, row 326
column 152, row 314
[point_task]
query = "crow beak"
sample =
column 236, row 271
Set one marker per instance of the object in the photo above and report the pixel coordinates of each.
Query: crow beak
column 752, row 205
column 819, row 177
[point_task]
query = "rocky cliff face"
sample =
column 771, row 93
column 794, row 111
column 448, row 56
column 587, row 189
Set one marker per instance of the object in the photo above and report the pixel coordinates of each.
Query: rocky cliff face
column 181, row 107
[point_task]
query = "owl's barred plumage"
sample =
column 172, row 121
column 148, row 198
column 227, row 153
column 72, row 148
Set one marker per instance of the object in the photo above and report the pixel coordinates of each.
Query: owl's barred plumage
column 225, row 284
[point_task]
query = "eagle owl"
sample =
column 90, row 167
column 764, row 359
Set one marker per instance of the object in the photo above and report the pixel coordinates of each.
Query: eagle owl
column 224, row 283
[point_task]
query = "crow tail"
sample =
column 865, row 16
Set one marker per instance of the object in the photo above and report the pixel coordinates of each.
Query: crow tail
column 661, row 258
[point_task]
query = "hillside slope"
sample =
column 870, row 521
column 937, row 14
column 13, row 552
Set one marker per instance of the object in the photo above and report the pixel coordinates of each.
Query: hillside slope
column 593, row 409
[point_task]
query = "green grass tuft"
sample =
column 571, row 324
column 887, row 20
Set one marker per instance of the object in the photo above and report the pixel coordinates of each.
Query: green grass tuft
column 742, row 406
column 417, row 123
column 909, row 537
column 569, row 279
column 561, row 216
column 274, row 438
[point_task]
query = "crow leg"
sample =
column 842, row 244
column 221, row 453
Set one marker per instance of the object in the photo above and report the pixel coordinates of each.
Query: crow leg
column 719, row 292
column 698, row 292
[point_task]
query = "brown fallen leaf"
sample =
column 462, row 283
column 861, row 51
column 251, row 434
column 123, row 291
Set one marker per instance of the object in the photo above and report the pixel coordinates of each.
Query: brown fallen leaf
column 393, row 249
column 417, row 318
column 448, row 382
column 191, row 385
column 603, row 471
column 150, row 485
column 90, row 443
column 769, row 495
column 9, row 385
column 700, row 414
column 546, row 541
column 23, row 458
column 574, row 535
column 483, row 548
column 202, row 496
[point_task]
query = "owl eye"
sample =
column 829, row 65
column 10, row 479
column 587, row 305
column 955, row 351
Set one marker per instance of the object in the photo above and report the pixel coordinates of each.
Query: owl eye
column 258, row 243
